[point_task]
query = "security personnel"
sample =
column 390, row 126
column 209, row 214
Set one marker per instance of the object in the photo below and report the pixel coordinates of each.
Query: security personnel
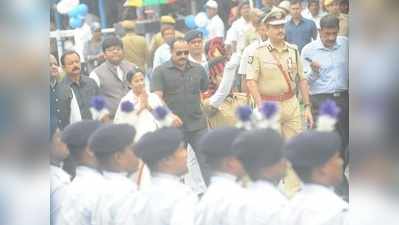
column 167, row 201
column 112, row 146
column 315, row 157
column 135, row 46
column 157, row 40
column 261, row 153
column 222, row 203
column 273, row 72
column 83, row 192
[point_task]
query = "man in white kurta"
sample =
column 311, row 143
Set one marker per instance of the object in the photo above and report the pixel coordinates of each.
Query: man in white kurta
column 215, row 25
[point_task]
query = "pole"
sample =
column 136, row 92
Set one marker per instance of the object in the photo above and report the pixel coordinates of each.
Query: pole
column 103, row 15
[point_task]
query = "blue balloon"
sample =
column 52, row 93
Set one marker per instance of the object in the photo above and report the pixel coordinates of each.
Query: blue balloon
column 83, row 9
column 75, row 22
column 74, row 12
column 190, row 22
column 204, row 31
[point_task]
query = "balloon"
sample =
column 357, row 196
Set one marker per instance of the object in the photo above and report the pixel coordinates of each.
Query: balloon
column 74, row 12
column 204, row 31
column 83, row 9
column 201, row 19
column 75, row 22
column 64, row 6
column 190, row 22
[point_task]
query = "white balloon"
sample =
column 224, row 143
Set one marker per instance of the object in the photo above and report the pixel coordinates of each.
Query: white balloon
column 201, row 19
column 64, row 6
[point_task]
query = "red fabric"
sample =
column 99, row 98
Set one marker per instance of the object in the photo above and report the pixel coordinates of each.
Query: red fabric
column 215, row 49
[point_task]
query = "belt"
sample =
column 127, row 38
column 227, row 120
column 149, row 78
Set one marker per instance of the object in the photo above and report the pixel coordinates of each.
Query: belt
column 278, row 98
column 335, row 94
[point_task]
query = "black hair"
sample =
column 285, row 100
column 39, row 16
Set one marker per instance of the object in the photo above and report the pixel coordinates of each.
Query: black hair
column 304, row 173
column 130, row 74
column 329, row 21
column 178, row 39
column 313, row 1
column 112, row 41
column 294, row 2
column 65, row 54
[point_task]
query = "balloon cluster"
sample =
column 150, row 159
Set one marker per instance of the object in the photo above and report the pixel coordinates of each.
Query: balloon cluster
column 199, row 22
column 76, row 12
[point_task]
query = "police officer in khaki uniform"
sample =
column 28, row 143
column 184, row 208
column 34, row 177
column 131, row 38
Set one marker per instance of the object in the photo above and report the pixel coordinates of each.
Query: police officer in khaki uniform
column 274, row 70
column 135, row 46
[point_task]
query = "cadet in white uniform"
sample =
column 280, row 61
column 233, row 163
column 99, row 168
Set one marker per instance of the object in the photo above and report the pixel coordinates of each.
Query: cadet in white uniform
column 260, row 152
column 167, row 201
column 59, row 179
column 112, row 146
column 315, row 157
column 222, row 203
column 83, row 192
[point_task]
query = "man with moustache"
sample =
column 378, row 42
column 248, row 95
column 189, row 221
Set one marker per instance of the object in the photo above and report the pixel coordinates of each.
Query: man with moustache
column 179, row 82
column 73, row 95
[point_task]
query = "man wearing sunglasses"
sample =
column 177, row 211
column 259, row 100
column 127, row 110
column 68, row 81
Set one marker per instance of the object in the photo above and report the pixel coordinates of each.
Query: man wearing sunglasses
column 179, row 82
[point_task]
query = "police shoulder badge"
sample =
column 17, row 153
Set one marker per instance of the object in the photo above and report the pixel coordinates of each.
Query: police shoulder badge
column 250, row 59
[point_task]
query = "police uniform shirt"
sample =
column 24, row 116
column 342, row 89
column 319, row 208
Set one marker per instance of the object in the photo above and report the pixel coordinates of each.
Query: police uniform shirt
column 82, row 197
column 248, row 51
column 264, row 203
column 59, row 180
column 264, row 69
column 313, row 205
column 116, row 188
column 222, row 203
column 166, row 202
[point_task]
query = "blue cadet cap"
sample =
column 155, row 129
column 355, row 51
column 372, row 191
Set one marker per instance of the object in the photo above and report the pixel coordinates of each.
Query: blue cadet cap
column 192, row 34
column 312, row 148
column 159, row 144
column 112, row 138
column 259, row 147
column 218, row 142
column 76, row 135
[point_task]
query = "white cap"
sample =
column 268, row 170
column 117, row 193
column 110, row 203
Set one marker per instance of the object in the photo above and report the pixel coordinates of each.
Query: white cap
column 211, row 4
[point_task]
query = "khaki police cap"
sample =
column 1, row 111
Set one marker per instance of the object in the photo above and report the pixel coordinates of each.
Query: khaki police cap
column 128, row 24
column 167, row 20
column 275, row 17
column 329, row 2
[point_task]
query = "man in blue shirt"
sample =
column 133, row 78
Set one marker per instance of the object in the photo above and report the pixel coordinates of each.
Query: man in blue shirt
column 299, row 31
column 326, row 69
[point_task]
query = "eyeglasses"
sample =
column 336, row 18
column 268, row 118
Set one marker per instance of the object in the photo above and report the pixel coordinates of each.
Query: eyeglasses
column 179, row 53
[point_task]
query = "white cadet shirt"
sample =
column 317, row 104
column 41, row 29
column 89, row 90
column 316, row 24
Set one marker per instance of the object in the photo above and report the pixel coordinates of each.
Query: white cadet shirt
column 145, row 121
column 313, row 205
column 166, row 202
column 59, row 180
column 82, row 197
column 222, row 203
column 215, row 27
column 246, row 54
column 264, row 203
column 116, row 187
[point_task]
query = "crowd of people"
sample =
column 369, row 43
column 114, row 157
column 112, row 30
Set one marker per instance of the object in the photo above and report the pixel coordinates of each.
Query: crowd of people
column 226, row 126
